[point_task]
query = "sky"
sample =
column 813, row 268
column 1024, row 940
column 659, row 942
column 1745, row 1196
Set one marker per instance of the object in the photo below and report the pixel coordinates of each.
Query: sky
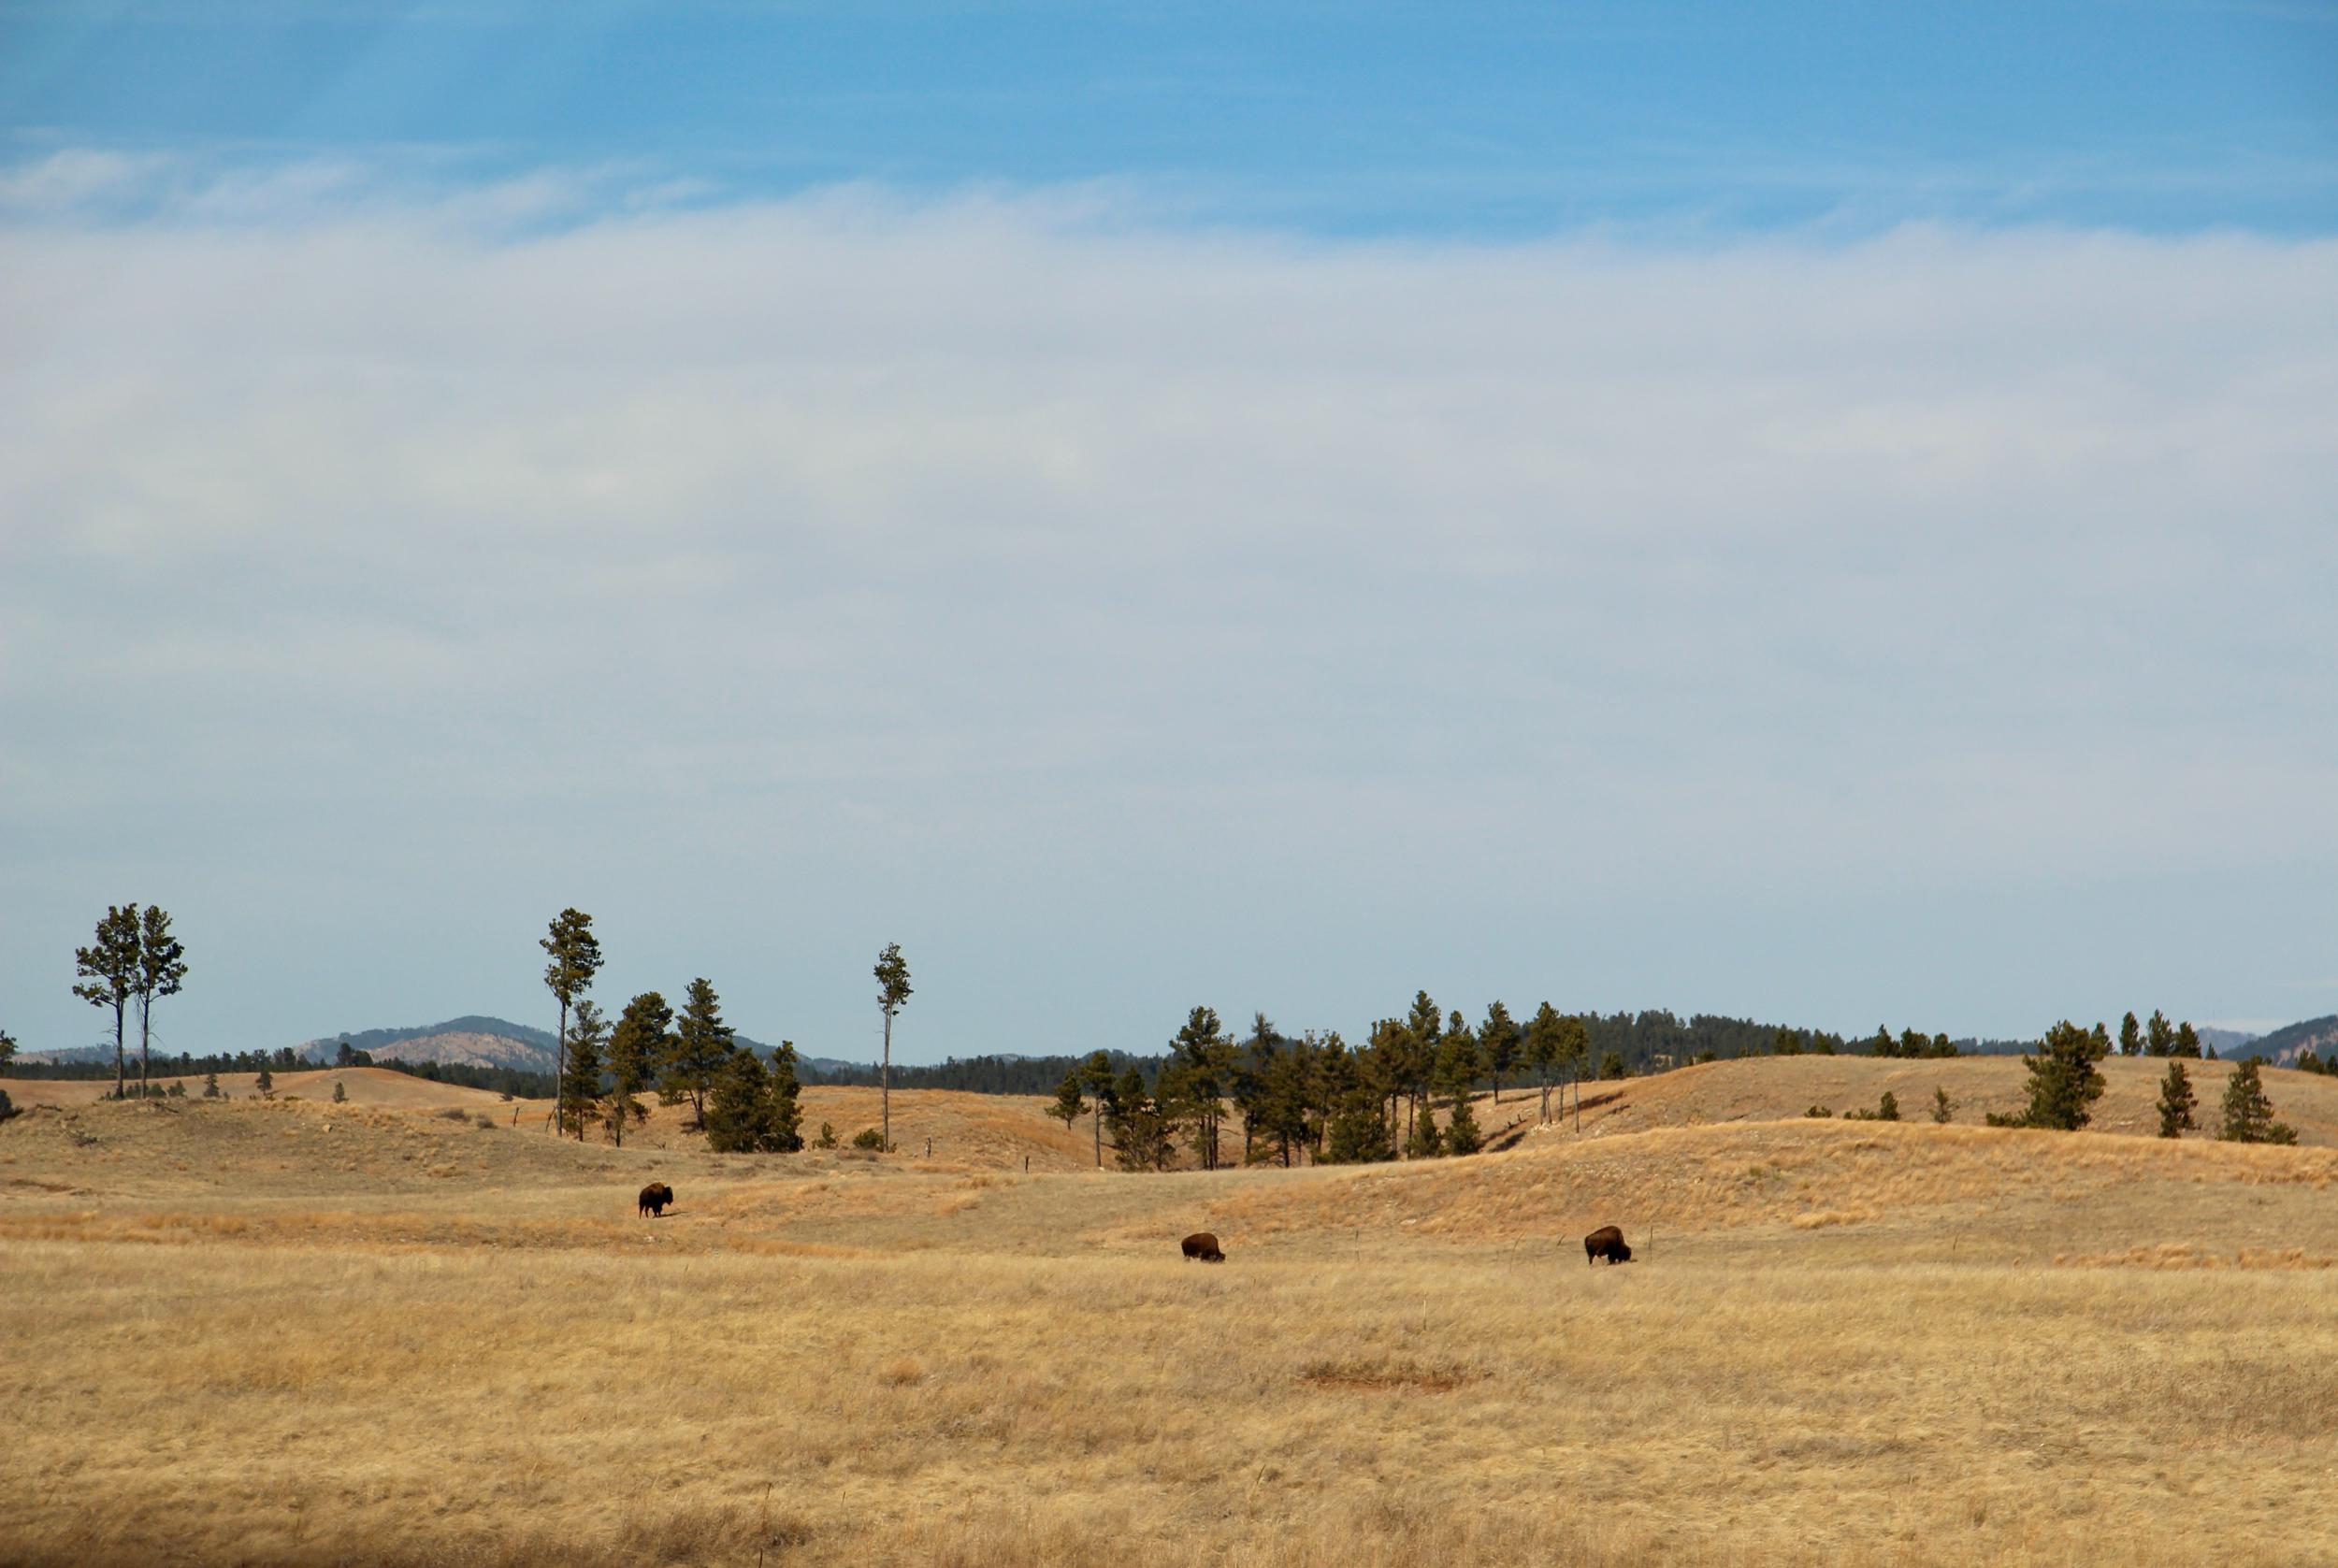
column 1820, row 513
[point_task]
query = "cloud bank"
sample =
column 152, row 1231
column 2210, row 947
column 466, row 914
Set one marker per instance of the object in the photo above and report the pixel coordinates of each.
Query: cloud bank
column 1934, row 625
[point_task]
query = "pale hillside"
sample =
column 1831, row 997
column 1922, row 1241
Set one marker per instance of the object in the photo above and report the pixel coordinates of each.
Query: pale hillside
column 1768, row 1089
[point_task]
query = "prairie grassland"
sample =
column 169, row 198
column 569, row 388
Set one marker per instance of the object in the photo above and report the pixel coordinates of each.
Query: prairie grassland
column 2001, row 1348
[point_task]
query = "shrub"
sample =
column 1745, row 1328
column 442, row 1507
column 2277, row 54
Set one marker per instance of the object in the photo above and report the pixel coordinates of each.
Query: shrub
column 827, row 1140
column 1942, row 1107
column 488, row 1122
column 177, row 1090
column 1818, row 1111
column 1889, row 1110
column 868, row 1138
column 340, row 1092
column 8, row 1106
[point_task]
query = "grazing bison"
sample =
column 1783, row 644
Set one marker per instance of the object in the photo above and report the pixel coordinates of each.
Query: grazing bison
column 655, row 1198
column 1607, row 1243
column 1204, row 1246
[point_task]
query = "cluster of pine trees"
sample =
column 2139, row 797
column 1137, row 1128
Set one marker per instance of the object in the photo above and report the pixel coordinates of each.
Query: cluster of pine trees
column 2159, row 1038
column 1316, row 1099
column 692, row 1057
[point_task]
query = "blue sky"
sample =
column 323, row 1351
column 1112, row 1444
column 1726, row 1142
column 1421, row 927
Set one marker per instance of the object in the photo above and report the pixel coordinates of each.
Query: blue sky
column 1821, row 513
column 1425, row 119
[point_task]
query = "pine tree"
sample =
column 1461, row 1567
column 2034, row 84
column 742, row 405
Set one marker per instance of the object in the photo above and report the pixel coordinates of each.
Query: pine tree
column 638, row 1049
column 2176, row 1101
column 340, row 1092
column 1096, row 1075
column 211, row 1085
column 2248, row 1115
column 2131, row 1036
column 1203, row 1059
column 2158, row 1036
column 1140, row 1131
column 575, row 954
column 1542, row 1049
column 1497, row 1042
column 1611, row 1066
column 2187, row 1042
column 1461, row 1133
column 1070, row 1104
column 2064, row 1081
column 162, row 968
column 264, row 1085
column 579, row 1102
column 701, row 1046
column 8, row 1049
column 893, row 994
column 1359, row 1132
column 738, row 1113
column 1889, row 1110
column 108, row 968
column 1882, row 1045
column 1943, row 1108
column 786, row 1126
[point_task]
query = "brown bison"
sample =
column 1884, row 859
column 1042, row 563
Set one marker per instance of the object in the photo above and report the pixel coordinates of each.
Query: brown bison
column 1607, row 1243
column 1204, row 1246
column 655, row 1198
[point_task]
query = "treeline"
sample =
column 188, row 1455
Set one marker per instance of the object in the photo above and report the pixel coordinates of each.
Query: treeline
column 1028, row 1075
column 1316, row 1099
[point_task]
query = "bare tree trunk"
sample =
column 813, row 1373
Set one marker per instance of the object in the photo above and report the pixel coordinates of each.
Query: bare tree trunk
column 1099, row 1135
column 560, row 1068
column 121, row 1086
column 885, row 1088
column 145, row 1036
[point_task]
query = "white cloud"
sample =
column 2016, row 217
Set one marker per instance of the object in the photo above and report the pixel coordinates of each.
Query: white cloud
column 1010, row 557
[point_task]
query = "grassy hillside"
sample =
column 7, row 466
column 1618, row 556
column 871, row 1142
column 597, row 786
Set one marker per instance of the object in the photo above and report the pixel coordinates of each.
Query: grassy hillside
column 291, row 1332
column 1768, row 1088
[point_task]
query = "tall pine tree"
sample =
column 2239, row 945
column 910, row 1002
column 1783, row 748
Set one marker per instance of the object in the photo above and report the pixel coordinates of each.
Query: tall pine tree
column 575, row 959
column 702, row 1045
column 637, row 1050
column 108, row 971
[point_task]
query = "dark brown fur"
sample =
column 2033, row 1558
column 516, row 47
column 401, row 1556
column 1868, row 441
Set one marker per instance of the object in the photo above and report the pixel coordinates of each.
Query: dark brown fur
column 1607, row 1243
column 1204, row 1246
column 655, row 1198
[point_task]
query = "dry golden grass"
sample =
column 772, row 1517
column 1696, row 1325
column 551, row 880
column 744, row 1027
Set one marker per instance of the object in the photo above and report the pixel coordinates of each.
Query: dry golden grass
column 1770, row 1088
column 270, row 1359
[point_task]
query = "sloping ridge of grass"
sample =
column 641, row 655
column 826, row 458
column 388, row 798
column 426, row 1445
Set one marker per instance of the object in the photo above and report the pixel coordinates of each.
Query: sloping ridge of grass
column 1813, row 1173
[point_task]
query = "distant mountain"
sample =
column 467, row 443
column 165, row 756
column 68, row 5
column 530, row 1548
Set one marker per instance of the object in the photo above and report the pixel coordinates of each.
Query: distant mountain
column 2284, row 1046
column 2226, row 1042
column 474, row 1040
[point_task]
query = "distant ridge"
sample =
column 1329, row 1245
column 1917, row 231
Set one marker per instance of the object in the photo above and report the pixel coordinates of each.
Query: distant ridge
column 2286, row 1045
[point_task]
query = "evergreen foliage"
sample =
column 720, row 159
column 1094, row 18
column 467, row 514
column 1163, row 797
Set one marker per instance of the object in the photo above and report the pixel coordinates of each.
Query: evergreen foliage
column 638, row 1048
column 2131, row 1036
column 109, row 971
column 1943, row 1108
column 893, row 994
column 2064, row 1081
column 161, row 970
column 2176, row 1102
column 752, row 1109
column 1499, row 1043
column 2158, row 1036
column 578, row 1106
column 575, row 959
column 2248, row 1115
column 697, row 1052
